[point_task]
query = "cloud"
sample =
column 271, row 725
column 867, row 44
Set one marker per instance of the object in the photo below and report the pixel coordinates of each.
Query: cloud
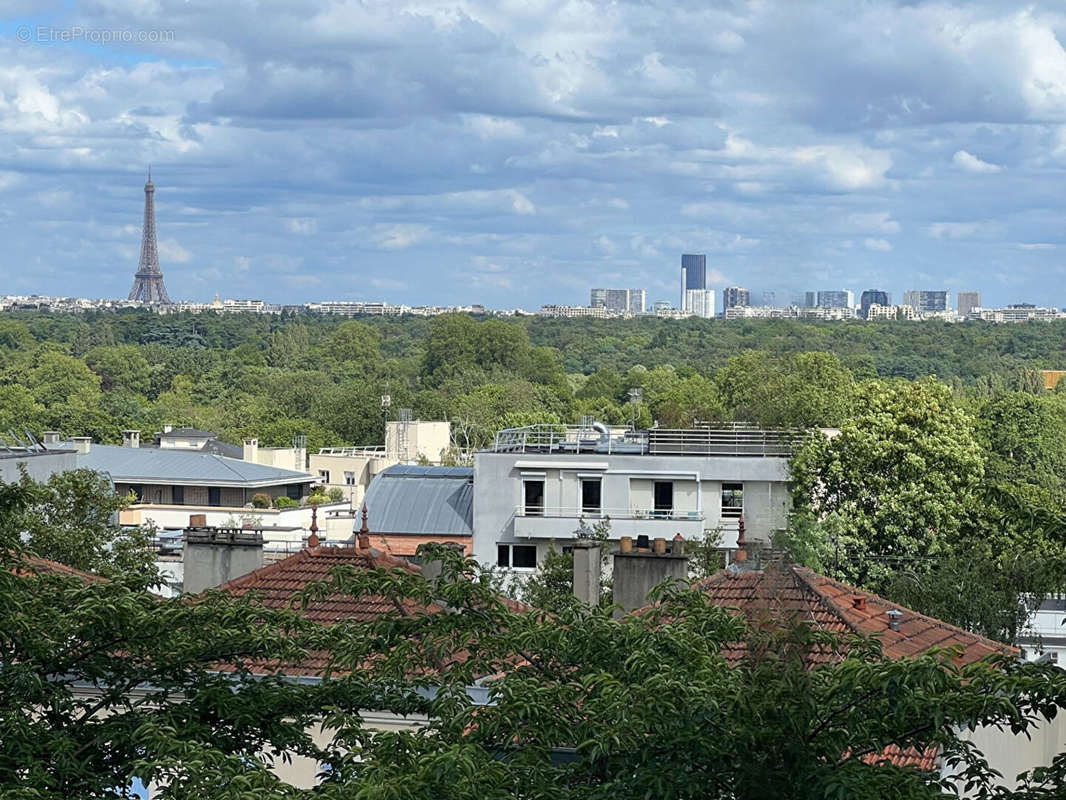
column 953, row 230
column 170, row 250
column 878, row 245
column 874, row 222
column 972, row 163
column 302, row 226
column 1035, row 246
column 398, row 236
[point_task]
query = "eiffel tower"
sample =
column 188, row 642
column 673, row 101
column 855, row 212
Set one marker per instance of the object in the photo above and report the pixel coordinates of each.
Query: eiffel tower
column 148, row 280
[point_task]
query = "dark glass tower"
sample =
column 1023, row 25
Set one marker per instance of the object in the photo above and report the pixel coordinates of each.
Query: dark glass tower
column 871, row 297
column 693, row 275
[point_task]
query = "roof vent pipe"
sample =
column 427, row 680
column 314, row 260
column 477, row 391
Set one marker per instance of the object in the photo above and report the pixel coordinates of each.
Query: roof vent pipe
column 893, row 618
column 602, row 430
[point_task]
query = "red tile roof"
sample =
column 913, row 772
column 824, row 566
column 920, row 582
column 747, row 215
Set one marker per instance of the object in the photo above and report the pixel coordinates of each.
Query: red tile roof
column 406, row 544
column 33, row 565
column 794, row 592
column 277, row 584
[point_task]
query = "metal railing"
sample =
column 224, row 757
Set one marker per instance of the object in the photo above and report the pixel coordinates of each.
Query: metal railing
column 711, row 439
column 576, row 512
column 371, row 452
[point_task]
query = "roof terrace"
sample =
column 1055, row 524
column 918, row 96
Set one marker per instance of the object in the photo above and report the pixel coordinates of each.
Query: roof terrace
column 711, row 439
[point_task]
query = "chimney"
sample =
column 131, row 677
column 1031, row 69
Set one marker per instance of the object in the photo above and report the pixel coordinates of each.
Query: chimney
column 741, row 554
column 251, row 450
column 587, row 572
column 168, row 428
column 639, row 571
column 859, row 602
column 312, row 540
column 131, row 439
column 50, row 437
column 82, row 443
column 431, row 568
column 212, row 556
column 362, row 540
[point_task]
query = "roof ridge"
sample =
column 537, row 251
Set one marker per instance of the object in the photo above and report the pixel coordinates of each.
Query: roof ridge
column 830, row 604
column 933, row 621
column 264, row 571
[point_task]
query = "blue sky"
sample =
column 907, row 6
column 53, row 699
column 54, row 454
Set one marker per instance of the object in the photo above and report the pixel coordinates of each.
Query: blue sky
column 518, row 152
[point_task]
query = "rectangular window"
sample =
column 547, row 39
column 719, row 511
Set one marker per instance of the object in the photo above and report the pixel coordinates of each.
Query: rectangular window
column 533, row 498
column 214, row 496
column 349, row 478
column 591, row 496
column 138, row 492
column 516, row 556
column 292, row 491
column 732, row 499
column 664, row 498
column 323, row 475
column 177, row 495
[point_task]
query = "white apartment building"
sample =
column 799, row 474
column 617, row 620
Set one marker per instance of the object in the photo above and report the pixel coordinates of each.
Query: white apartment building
column 536, row 485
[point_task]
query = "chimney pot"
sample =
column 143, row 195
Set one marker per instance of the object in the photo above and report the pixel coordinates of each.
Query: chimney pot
column 642, row 542
column 82, row 443
column 131, row 438
column 677, row 546
column 659, row 545
column 168, row 428
column 625, row 545
column 859, row 603
column 893, row 618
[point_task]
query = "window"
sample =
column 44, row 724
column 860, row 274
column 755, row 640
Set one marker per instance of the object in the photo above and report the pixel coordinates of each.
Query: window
column 138, row 492
column 516, row 556
column 664, row 498
column 732, row 499
column 533, row 498
column 591, row 496
column 323, row 475
column 214, row 496
column 349, row 478
column 177, row 495
column 292, row 491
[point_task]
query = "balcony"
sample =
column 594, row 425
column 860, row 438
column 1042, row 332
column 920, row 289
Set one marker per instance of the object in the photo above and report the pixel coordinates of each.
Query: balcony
column 563, row 523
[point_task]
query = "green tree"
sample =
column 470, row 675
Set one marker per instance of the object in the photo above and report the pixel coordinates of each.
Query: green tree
column 895, row 486
column 122, row 367
column 355, row 341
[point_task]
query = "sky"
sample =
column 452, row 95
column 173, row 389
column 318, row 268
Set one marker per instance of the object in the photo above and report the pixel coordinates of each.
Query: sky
column 519, row 152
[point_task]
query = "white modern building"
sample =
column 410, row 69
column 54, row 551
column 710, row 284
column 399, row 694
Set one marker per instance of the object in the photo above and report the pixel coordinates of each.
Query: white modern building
column 700, row 303
column 538, row 485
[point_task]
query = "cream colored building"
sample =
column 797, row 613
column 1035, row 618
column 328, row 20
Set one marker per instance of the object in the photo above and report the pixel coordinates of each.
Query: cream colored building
column 406, row 442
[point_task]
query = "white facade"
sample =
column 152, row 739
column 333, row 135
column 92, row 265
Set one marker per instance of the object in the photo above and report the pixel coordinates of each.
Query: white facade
column 527, row 496
column 700, row 302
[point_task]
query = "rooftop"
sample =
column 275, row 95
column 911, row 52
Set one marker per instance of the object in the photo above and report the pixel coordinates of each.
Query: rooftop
column 153, row 465
column 422, row 501
column 795, row 592
column 712, row 439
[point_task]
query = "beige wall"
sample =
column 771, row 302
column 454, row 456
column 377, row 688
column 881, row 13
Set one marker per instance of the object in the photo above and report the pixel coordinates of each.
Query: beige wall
column 424, row 439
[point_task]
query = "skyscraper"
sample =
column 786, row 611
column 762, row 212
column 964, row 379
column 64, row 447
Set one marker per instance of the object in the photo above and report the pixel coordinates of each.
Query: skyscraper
column 835, row 298
column 926, row 301
column 873, row 297
column 148, row 280
column 966, row 302
column 734, row 296
column 693, row 275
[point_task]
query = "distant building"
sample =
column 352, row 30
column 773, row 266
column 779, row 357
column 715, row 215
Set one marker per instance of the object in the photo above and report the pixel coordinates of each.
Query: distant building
column 661, row 306
column 879, row 312
column 925, row 301
column 769, row 299
column 871, row 297
column 552, row 310
column 735, row 296
column 835, row 298
column 352, row 469
column 40, row 460
column 966, row 302
column 700, row 303
column 810, row 299
column 693, row 276
column 619, row 301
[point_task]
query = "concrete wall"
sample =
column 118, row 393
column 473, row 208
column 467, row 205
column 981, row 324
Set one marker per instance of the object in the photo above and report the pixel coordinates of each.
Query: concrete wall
column 424, row 438
column 211, row 558
column 1011, row 755
column 627, row 482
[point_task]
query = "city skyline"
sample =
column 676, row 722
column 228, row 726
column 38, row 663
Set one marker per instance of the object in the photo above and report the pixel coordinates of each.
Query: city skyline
column 539, row 155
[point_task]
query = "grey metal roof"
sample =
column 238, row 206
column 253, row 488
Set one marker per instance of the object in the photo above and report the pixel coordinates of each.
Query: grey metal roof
column 178, row 466
column 421, row 500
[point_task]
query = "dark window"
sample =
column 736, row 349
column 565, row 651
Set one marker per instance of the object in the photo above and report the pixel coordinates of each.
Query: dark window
column 292, row 491
column 524, row 556
column 214, row 496
column 664, row 498
column 177, row 495
column 138, row 492
column 732, row 499
column 516, row 556
column 534, row 498
column 591, row 496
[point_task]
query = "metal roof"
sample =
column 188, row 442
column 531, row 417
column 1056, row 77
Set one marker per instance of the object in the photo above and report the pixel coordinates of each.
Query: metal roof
column 179, row 466
column 422, row 500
